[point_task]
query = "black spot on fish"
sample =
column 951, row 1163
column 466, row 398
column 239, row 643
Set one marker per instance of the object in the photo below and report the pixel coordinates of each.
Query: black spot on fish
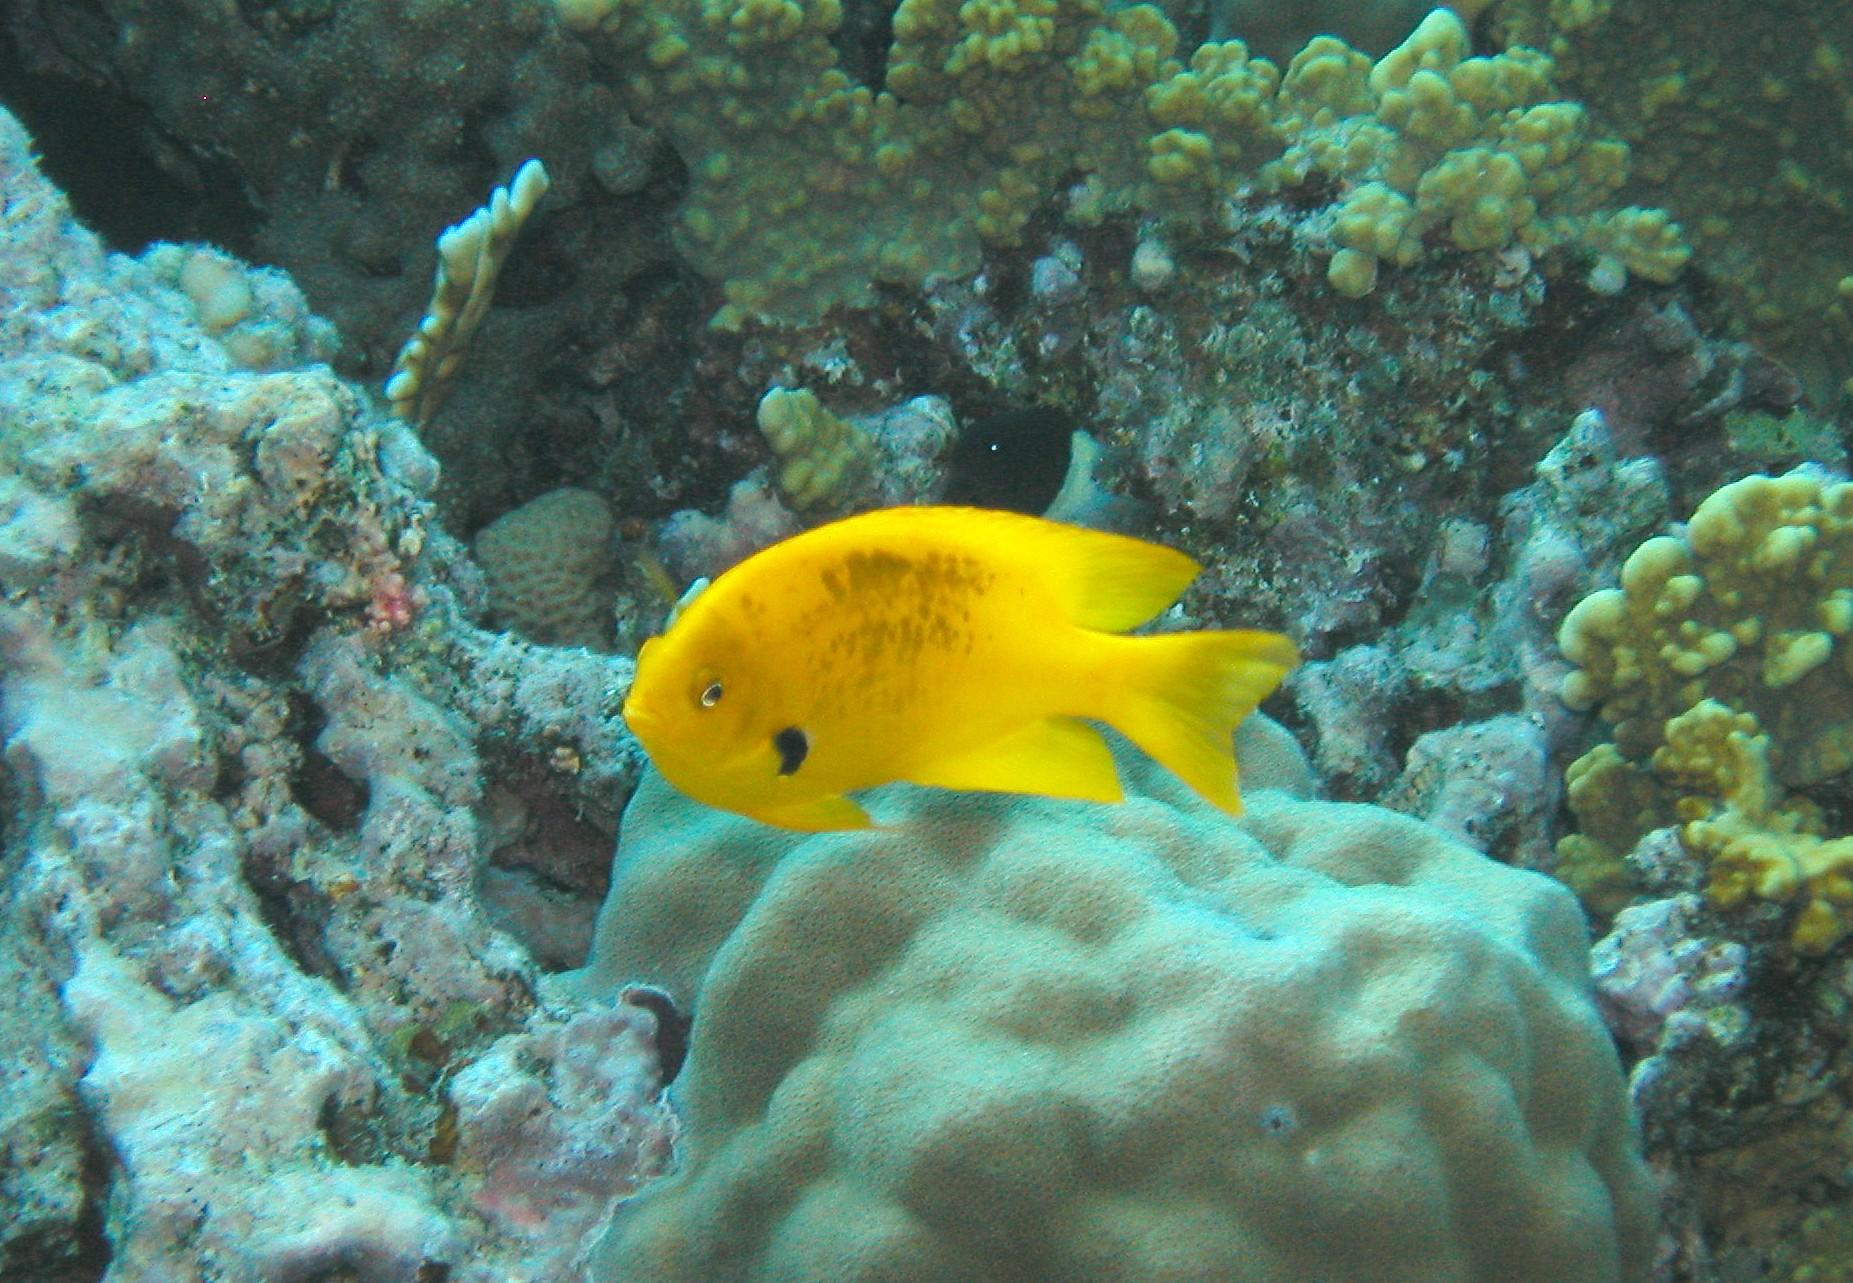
column 793, row 746
column 1015, row 461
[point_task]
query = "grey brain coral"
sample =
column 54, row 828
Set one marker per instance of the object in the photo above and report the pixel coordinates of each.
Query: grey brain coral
column 1012, row 1039
column 545, row 563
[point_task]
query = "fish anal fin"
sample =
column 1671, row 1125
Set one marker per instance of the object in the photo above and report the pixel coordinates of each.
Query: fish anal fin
column 1056, row 757
column 819, row 815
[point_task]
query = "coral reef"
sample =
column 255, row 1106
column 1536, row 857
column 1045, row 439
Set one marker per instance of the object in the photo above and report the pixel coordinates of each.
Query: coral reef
column 1278, row 30
column 1481, row 645
column 547, row 566
column 807, row 187
column 824, row 462
column 342, row 136
column 470, row 257
column 824, row 466
column 302, row 814
column 1431, row 138
column 1735, row 114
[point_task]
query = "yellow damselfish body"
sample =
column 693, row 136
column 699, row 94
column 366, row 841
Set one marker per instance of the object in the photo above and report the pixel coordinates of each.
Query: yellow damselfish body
column 959, row 648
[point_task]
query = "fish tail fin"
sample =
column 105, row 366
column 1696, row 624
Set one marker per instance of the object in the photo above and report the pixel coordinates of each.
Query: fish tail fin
column 1180, row 696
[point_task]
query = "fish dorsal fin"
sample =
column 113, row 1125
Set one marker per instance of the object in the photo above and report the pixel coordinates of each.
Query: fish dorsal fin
column 1106, row 582
column 694, row 590
column 1115, row 582
column 1058, row 757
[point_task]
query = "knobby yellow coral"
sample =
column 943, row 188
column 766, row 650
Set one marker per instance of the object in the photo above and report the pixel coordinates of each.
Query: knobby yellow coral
column 825, row 462
column 807, row 188
column 1723, row 666
column 1437, row 140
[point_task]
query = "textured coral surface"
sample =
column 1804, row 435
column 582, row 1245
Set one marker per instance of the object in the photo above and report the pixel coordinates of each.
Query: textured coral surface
column 1010, row 1039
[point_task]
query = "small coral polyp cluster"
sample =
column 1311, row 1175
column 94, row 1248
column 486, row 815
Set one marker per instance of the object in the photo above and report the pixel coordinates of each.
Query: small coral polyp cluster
column 806, row 187
column 1723, row 666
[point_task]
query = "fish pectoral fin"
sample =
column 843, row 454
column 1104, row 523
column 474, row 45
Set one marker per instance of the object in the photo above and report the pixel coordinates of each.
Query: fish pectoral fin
column 1057, row 757
column 819, row 815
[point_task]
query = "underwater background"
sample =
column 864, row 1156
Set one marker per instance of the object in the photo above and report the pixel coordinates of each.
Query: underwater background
column 1501, row 356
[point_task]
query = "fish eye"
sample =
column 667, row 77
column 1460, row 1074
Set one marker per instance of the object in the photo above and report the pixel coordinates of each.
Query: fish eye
column 710, row 695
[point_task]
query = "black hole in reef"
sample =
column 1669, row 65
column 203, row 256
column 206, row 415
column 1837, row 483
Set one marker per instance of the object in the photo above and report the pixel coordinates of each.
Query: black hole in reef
column 317, row 785
column 346, row 1129
column 1014, row 460
column 127, row 179
column 863, row 39
column 793, row 746
column 672, row 1027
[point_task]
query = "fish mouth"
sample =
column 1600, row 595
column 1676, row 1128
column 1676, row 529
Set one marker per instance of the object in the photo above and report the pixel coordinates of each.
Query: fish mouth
column 640, row 722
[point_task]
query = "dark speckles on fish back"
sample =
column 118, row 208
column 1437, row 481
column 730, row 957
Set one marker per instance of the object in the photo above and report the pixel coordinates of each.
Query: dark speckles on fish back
column 885, row 614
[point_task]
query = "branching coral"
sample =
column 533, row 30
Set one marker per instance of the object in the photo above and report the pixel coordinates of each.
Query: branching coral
column 1435, row 140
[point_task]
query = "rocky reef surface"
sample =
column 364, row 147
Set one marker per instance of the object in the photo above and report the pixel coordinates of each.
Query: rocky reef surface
column 273, row 1008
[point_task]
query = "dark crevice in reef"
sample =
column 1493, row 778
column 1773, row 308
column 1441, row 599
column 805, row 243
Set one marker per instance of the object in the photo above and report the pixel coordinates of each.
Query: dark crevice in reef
column 862, row 41
column 127, row 179
column 673, row 1027
column 348, row 1131
column 69, row 1251
column 90, row 1249
column 317, row 785
column 297, row 912
column 267, row 644
column 297, row 916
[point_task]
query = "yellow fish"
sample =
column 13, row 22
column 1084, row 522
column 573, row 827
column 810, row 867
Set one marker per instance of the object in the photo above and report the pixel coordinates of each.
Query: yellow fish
column 955, row 647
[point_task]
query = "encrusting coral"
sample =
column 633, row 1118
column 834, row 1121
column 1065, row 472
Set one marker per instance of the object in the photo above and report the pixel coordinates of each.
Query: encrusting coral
column 1722, row 665
column 1010, row 1039
column 245, row 837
